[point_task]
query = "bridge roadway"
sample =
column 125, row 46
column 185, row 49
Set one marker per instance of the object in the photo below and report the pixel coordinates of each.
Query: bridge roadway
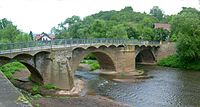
column 62, row 43
column 9, row 95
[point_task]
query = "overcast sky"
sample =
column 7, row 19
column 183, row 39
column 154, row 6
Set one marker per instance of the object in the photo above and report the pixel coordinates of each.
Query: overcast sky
column 41, row 15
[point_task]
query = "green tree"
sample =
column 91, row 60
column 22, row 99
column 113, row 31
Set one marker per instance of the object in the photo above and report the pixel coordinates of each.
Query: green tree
column 4, row 23
column 70, row 21
column 186, row 25
column 118, row 31
column 23, row 37
column 157, row 12
column 161, row 34
column 108, row 24
column 9, row 33
column 132, row 33
column 98, row 29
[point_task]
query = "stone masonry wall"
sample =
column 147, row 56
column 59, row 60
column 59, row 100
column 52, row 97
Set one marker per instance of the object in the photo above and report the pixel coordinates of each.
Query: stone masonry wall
column 166, row 50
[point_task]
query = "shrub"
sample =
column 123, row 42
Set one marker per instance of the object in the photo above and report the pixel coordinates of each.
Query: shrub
column 35, row 88
column 170, row 61
column 176, row 62
column 37, row 96
column 93, row 64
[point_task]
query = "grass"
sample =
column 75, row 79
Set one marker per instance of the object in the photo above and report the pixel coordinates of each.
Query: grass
column 10, row 68
column 175, row 62
column 49, row 86
column 37, row 96
column 94, row 65
column 35, row 89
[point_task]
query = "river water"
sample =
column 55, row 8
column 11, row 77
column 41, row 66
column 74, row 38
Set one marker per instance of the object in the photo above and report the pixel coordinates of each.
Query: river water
column 168, row 88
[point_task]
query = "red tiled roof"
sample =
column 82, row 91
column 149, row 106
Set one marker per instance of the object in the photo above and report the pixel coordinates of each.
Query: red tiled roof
column 39, row 36
column 162, row 25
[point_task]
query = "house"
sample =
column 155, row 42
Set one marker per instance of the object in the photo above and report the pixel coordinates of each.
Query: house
column 44, row 37
column 164, row 26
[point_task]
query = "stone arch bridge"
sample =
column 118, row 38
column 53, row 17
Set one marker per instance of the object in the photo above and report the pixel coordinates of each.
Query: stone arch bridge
column 56, row 61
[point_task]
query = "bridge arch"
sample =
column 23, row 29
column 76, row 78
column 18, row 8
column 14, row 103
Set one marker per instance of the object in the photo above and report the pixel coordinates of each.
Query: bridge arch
column 104, row 59
column 35, row 75
column 26, row 60
column 120, row 46
column 41, row 52
column 145, row 56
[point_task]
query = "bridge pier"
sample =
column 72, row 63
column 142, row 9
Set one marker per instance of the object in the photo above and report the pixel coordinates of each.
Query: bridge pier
column 125, row 59
column 59, row 70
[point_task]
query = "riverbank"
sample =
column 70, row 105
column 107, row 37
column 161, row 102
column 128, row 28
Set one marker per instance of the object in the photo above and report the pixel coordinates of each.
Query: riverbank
column 174, row 62
column 42, row 97
column 49, row 96
column 85, row 101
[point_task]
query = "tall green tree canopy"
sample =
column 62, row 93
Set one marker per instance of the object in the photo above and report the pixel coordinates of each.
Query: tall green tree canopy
column 125, row 23
column 157, row 12
column 9, row 33
column 186, row 25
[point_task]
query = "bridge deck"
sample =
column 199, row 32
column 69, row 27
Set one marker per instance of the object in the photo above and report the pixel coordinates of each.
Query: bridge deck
column 59, row 43
column 9, row 95
column 2, row 52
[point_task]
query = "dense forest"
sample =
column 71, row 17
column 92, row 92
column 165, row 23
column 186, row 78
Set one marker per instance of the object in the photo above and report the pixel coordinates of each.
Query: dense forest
column 125, row 23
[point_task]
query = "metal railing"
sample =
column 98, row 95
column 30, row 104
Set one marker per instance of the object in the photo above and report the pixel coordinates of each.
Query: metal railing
column 58, row 43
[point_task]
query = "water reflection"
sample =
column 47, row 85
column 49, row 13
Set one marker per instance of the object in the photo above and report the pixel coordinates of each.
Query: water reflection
column 169, row 88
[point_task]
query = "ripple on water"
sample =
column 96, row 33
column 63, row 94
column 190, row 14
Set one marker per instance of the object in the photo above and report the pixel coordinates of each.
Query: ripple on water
column 169, row 88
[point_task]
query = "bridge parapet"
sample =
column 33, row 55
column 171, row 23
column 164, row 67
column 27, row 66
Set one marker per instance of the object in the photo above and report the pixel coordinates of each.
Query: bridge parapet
column 60, row 43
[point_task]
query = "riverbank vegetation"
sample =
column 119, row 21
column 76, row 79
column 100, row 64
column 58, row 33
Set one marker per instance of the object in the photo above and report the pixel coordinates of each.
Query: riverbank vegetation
column 174, row 61
column 186, row 25
column 10, row 68
column 91, row 60
column 94, row 65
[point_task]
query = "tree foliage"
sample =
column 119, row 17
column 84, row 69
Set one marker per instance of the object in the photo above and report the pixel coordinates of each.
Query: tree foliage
column 108, row 24
column 157, row 12
column 9, row 33
column 186, row 25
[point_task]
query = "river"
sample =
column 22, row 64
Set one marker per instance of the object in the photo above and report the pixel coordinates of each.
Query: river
column 168, row 88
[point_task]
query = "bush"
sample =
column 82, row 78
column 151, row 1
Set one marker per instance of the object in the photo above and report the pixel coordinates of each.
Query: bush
column 93, row 64
column 35, row 88
column 170, row 61
column 37, row 96
column 176, row 62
